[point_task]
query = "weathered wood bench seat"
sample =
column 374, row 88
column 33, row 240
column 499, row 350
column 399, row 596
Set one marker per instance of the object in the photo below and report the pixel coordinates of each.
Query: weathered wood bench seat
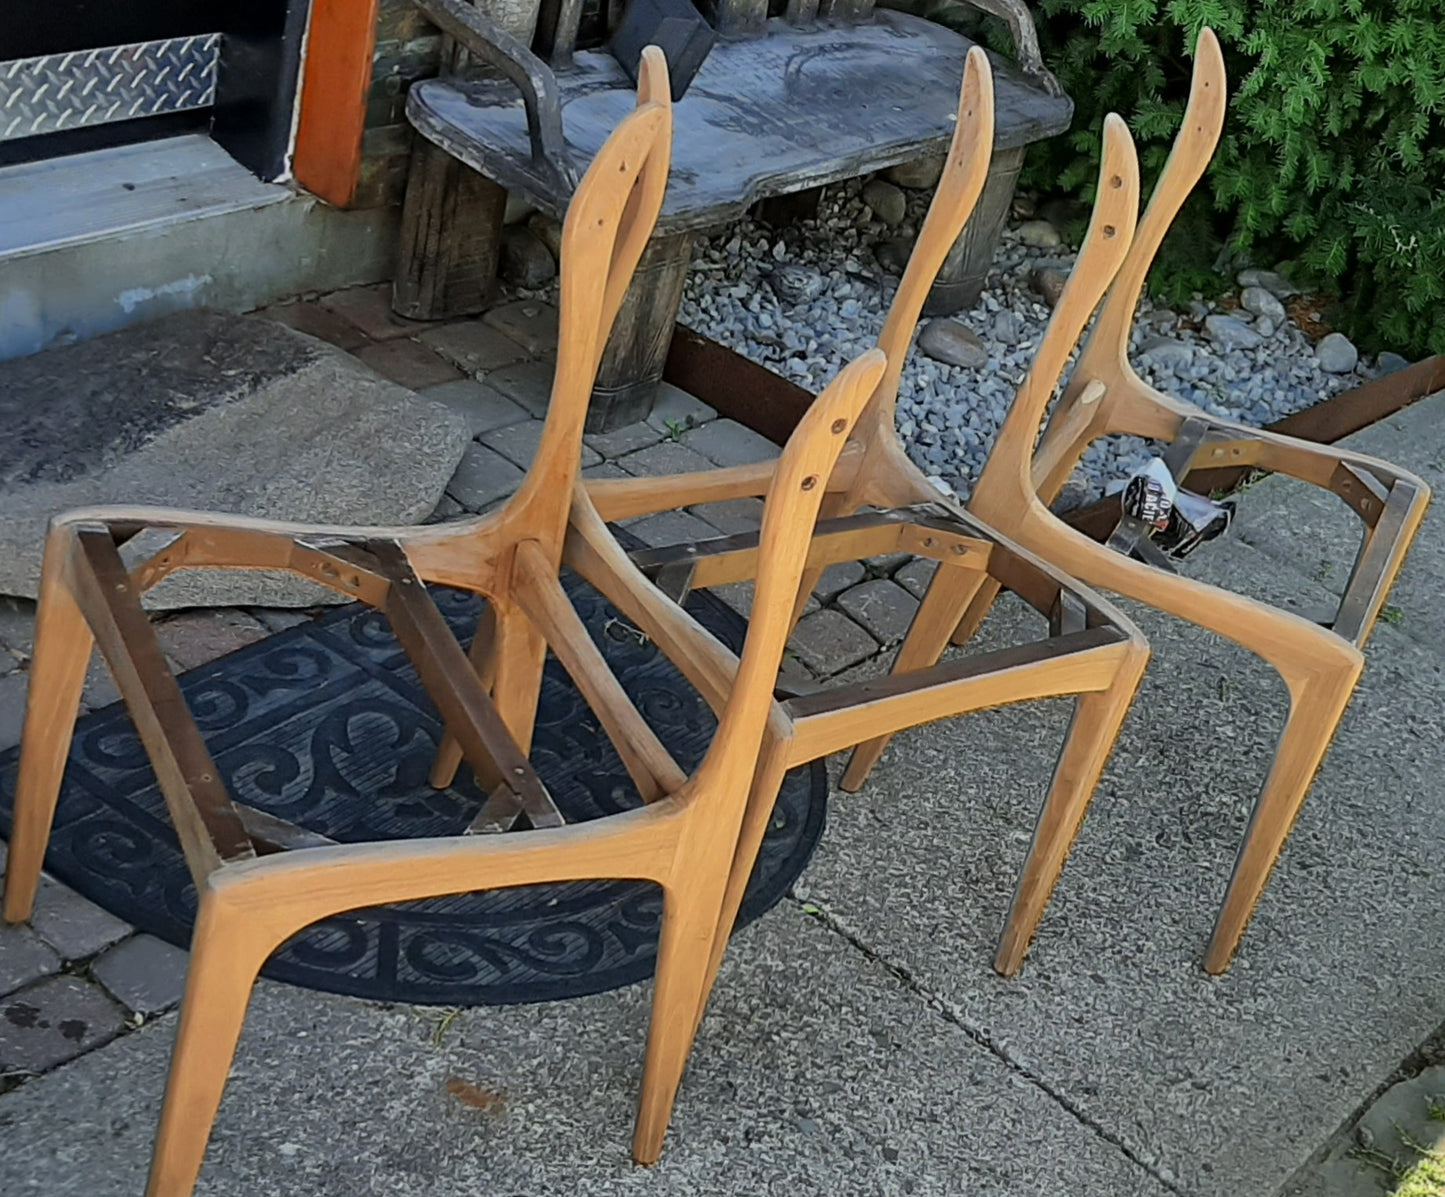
column 779, row 106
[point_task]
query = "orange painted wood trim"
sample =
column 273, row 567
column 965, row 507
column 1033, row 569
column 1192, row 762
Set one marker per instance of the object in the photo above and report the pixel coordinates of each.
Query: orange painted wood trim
column 335, row 80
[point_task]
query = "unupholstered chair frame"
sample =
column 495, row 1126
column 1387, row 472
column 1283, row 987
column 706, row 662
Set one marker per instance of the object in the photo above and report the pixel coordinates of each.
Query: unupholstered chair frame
column 1093, row 651
column 261, row 879
column 1319, row 664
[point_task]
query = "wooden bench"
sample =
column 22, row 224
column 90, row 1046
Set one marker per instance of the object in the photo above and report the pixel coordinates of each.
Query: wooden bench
column 780, row 105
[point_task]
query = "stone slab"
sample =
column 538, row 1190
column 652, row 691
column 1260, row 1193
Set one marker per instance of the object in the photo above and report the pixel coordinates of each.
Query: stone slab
column 828, row 642
column 882, row 607
column 146, row 975
column 816, row 1071
column 1222, row 1085
column 219, row 413
column 52, row 1022
column 474, row 347
column 728, row 443
column 408, row 363
column 483, row 408
column 74, row 926
column 24, row 957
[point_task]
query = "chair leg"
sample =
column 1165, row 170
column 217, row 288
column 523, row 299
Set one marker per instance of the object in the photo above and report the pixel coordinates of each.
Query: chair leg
column 1316, row 707
column 521, row 652
column 57, row 674
column 1095, row 726
column 449, row 752
column 689, row 926
column 767, row 781
column 226, row 954
column 978, row 607
column 952, row 591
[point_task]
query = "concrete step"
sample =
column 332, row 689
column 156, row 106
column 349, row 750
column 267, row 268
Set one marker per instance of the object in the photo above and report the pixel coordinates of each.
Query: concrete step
column 94, row 241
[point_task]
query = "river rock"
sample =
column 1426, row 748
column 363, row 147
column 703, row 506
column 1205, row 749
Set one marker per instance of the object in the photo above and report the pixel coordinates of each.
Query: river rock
column 1164, row 351
column 918, row 175
column 951, row 342
column 1039, row 234
column 794, row 285
column 547, row 230
column 886, row 201
column 1336, row 354
column 525, row 262
column 1048, row 283
column 1260, row 302
column 1276, row 284
column 1390, row 363
column 1230, row 333
column 1008, row 327
column 893, row 254
column 211, row 411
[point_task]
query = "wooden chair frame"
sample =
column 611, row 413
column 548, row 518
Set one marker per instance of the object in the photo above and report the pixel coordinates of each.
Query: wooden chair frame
column 1319, row 664
column 254, row 894
column 1093, row 652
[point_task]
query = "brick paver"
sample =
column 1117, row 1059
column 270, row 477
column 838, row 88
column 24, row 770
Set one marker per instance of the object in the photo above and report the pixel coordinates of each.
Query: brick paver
column 627, row 439
column 482, row 477
column 529, row 322
column 369, row 309
column 837, row 578
column 528, row 384
column 728, row 443
column 320, row 322
column 24, row 957
column 882, row 607
column 675, row 411
column 518, row 443
column 474, row 347
column 12, row 708
column 665, row 457
column 54, row 1021
column 483, row 407
column 828, row 641
column 146, row 975
column 74, row 926
column 408, row 363
column 916, row 575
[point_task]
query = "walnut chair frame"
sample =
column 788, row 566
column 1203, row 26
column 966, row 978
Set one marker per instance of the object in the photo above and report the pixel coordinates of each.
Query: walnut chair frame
column 1093, row 652
column 261, row 879
column 1319, row 664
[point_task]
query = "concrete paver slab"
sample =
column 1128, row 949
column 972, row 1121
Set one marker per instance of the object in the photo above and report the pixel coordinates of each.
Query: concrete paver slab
column 1222, row 1085
column 816, row 1072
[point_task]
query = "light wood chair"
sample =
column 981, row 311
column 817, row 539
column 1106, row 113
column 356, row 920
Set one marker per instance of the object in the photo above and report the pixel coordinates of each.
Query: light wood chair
column 1319, row 664
column 1093, row 651
column 261, row 879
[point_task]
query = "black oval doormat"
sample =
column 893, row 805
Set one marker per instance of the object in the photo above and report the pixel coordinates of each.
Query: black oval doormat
column 326, row 725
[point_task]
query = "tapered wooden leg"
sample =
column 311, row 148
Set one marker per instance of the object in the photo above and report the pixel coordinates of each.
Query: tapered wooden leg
column 689, row 926
column 521, row 652
column 978, row 606
column 950, row 593
column 763, row 795
column 1092, row 732
column 449, row 751
column 1316, row 707
column 226, row 955
column 57, row 673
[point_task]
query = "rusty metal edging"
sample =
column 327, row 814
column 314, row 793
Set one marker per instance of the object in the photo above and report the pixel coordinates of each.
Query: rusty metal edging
column 742, row 390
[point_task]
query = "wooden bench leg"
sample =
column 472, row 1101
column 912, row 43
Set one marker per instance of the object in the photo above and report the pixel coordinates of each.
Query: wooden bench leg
column 960, row 281
column 451, row 235
column 632, row 364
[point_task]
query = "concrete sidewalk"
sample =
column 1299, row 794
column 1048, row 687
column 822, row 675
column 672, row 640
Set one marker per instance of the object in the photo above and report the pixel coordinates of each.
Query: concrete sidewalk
column 858, row 1041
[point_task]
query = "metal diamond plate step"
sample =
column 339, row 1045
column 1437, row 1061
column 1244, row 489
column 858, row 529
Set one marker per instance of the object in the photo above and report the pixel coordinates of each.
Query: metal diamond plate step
column 56, row 92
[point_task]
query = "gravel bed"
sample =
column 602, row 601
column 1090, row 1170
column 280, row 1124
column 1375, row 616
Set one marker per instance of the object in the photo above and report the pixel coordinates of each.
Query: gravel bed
column 803, row 300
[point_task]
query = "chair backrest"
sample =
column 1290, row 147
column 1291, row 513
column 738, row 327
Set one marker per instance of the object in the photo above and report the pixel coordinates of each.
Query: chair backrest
column 1189, row 157
column 965, row 171
column 1005, row 487
column 608, row 224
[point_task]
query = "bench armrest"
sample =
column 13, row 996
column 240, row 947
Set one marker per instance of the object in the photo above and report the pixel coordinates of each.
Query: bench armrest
column 534, row 79
column 1020, row 23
